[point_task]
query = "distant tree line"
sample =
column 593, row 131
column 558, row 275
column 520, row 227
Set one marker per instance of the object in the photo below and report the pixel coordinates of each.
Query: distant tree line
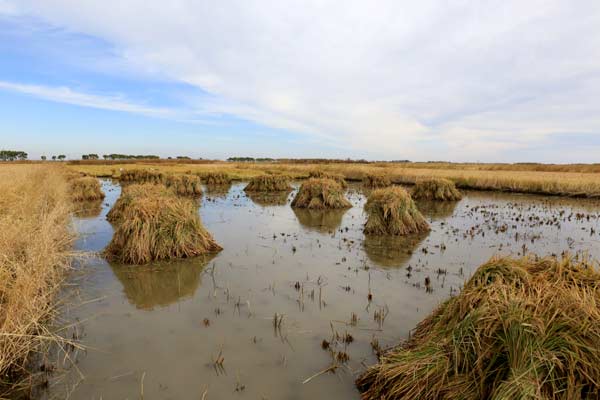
column 12, row 155
column 128, row 156
column 249, row 159
column 91, row 156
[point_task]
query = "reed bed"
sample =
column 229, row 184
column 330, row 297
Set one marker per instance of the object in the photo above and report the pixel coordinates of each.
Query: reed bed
column 216, row 178
column 374, row 181
column 391, row 211
column 184, row 184
column 318, row 194
column 268, row 183
column 319, row 173
column 435, row 189
column 142, row 176
column 135, row 191
column 159, row 227
column 86, row 188
column 520, row 329
column 35, row 249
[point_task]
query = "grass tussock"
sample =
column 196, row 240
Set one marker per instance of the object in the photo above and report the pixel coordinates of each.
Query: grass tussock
column 319, row 173
column 35, row 250
column 268, row 183
column 85, row 188
column 374, row 181
column 436, row 189
column 184, row 184
column 391, row 211
column 135, row 191
column 520, row 329
column 216, row 178
column 142, row 176
column 319, row 194
column 159, row 227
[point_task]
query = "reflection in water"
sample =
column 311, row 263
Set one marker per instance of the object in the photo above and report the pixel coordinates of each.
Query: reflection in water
column 436, row 209
column 88, row 209
column 160, row 284
column 391, row 250
column 320, row 220
column 218, row 191
column 269, row 199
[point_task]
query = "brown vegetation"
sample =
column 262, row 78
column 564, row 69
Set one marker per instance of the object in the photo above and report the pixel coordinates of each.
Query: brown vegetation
column 374, row 181
column 85, row 189
column 35, row 245
column 319, row 173
column 268, row 183
column 435, row 189
column 135, row 191
column 520, row 329
column 319, row 194
column 391, row 211
column 216, row 178
column 184, row 184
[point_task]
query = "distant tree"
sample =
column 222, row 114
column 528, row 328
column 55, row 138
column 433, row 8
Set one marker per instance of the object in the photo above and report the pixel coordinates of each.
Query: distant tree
column 61, row 157
column 43, row 158
column 183, row 158
column 93, row 156
column 53, row 158
column 85, row 157
column 12, row 155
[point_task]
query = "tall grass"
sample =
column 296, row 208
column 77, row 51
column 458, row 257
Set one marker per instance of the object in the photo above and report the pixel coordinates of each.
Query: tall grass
column 435, row 189
column 520, row 329
column 391, row 211
column 35, row 243
column 320, row 193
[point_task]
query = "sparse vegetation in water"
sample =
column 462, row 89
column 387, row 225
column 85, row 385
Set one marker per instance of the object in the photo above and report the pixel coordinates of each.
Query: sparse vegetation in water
column 85, row 188
column 216, row 178
column 320, row 193
column 391, row 211
column 269, row 198
column 520, row 329
column 159, row 228
column 376, row 180
column 319, row 173
column 135, row 191
column 184, row 184
column 35, row 253
column 269, row 183
column 436, row 189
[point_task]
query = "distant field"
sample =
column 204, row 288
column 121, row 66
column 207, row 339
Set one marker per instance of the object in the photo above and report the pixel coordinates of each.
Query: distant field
column 577, row 180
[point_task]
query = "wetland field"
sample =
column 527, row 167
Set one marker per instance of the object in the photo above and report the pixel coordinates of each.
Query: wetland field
column 299, row 302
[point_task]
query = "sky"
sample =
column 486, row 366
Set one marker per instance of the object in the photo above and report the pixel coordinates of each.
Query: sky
column 481, row 80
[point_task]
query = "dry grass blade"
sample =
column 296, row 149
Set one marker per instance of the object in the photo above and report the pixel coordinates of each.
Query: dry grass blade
column 391, row 211
column 520, row 329
column 436, row 189
column 320, row 193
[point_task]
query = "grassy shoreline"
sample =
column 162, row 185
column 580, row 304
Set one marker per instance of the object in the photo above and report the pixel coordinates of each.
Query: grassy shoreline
column 571, row 183
column 35, row 251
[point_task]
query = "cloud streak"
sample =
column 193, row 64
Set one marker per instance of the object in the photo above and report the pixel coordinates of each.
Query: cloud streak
column 461, row 80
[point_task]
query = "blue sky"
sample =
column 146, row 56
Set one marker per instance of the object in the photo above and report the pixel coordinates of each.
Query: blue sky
column 469, row 81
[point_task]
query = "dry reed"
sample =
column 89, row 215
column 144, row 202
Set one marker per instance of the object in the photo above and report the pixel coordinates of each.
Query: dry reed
column 216, row 178
column 268, row 183
column 135, row 191
column 374, row 181
column 320, row 194
column 184, row 184
column 435, row 189
column 85, row 189
column 391, row 211
column 319, row 173
column 520, row 329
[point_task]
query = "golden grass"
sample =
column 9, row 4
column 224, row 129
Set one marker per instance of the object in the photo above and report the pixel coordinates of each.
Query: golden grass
column 158, row 227
column 435, row 189
column 135, row 191
column 520, row 329
column 184, row 184
column 376, row 180
column 268, row 183
column 562, row 180
column 216, row 178
column 319, row 173
column 320, row 193
column 391, row 211
column 85, row 189
column 141, row 176
column 35, row 245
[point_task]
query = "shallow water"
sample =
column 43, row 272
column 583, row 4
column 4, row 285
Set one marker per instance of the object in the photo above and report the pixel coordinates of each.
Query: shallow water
column 158, row 328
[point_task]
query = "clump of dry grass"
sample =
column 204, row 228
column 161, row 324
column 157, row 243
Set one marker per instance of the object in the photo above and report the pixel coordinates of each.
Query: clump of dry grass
column 520, row 329
column 376, row 180
column 436, row 189
column 135, row 191
column 319, row 194
column 142, row 176
column 216, row 178
column 319, row 173
column 268, row 183
column 158, row 227
column 184, row 184
column 391, row 211
column 85, row 189
column 35, row 246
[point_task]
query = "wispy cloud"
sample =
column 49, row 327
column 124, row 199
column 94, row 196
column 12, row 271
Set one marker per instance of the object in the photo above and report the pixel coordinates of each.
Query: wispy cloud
column 427, row 79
